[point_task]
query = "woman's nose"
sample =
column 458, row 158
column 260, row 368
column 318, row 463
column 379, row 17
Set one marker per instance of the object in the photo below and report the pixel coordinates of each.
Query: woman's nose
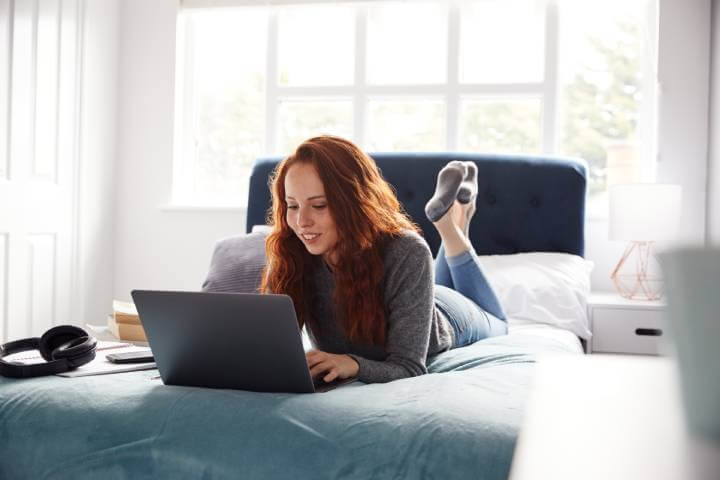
column 304, row 219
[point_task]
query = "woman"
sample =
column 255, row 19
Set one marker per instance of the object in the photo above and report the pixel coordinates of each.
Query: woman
column 360, row 276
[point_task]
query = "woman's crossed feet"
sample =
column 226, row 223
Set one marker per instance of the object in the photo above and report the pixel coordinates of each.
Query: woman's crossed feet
column 448, row 185
column 453, row 205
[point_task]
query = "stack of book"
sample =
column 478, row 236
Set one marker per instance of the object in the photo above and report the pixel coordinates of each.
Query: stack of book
column 125, row 324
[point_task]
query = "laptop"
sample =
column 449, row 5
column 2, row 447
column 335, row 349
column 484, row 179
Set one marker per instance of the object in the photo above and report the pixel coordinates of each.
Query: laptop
column 240, row 341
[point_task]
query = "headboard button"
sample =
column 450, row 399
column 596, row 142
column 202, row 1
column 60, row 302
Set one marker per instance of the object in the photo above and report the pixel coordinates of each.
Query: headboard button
column 535, row 201
column 491, row 200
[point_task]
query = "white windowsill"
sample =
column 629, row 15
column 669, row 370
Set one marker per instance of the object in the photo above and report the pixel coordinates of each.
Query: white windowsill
column 596, row 218
column 170, row 207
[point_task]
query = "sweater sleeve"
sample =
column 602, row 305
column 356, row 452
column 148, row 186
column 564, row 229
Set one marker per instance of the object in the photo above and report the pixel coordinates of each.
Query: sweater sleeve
column 408, row 295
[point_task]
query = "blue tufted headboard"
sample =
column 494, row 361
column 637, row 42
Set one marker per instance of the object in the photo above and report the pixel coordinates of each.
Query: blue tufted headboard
column 524, row 204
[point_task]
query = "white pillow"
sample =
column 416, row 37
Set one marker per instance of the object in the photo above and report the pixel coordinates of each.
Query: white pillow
column 542, row 287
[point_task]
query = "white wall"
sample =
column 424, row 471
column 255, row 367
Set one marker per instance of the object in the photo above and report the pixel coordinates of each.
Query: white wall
column 684, row 77
column 157, row 248
column 98, row 126
column 713, row 184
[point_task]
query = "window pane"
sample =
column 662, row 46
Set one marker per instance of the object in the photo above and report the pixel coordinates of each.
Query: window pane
column 403, row 51
column 406, row 125
column 500, row 125
column 316, row 45
column 502, row 41
column 300, row 120
column 229, row 88
column 604, row 54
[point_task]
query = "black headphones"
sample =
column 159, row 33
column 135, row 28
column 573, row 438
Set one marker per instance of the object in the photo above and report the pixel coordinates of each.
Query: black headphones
column 65, row 347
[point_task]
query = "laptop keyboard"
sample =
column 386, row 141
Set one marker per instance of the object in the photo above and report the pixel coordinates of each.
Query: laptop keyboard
column 321, row 385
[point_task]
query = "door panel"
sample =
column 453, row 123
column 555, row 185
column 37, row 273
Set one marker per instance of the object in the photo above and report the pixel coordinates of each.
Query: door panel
column 46, row 90
column 42, row 280
column 40, row 83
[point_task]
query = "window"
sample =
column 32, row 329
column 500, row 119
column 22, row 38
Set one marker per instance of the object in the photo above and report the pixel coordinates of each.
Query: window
column 566, row 77
column 606, row 111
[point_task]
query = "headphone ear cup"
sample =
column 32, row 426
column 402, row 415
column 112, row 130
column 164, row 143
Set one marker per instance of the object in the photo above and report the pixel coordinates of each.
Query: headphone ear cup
column 76, row 352
column 57, row 342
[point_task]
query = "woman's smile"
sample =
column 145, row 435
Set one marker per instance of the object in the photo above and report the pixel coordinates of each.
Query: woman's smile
column 309, row 238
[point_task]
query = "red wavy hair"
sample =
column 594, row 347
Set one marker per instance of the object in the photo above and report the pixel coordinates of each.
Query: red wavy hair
column 365, row 211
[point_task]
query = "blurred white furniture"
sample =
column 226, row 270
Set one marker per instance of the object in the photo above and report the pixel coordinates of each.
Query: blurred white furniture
column 609, row 417
column 620, row 325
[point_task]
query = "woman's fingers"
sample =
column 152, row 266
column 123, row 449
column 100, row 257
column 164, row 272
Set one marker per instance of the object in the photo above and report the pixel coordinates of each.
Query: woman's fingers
column 321, row 367
column 314, row 357
column 332, row 375
column 325, row 363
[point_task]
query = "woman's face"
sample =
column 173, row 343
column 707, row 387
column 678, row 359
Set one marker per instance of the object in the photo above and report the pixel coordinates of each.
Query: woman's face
column 307, row 210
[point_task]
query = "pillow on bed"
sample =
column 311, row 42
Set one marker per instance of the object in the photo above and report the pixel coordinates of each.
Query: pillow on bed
column 237, row 264
column 542, row 287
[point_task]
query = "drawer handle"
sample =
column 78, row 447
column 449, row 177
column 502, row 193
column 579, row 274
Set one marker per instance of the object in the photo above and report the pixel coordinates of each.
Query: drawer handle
column 648, row 332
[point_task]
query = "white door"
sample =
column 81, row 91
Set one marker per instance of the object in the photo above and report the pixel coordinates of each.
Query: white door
column 39, row 74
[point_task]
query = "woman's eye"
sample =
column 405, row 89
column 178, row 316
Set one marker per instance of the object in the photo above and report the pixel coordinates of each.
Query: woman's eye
column 319, row 207
column 292, row 207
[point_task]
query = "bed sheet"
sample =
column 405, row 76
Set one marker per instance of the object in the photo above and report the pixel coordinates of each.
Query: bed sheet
column 550, row 332
column 459, row 421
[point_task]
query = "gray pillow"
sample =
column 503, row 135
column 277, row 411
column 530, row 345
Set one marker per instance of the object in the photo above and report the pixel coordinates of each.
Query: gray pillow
column 237, row 264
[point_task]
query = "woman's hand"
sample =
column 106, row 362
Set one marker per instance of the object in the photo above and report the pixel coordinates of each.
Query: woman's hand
column 331, row 365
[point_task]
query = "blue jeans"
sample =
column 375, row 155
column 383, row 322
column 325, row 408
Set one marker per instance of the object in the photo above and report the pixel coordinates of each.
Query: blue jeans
column 466, row 298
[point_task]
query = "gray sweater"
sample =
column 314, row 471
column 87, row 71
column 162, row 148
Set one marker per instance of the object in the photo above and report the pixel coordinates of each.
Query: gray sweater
column 416, row 328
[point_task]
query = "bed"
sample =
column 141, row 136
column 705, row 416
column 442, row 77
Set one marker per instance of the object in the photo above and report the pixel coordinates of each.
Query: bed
column 459, row 421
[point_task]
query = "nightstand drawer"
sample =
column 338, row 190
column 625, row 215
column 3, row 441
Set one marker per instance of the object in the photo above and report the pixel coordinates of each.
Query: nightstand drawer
column 620, row 330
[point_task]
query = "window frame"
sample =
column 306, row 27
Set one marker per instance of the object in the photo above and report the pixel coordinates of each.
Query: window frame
column 361, row 93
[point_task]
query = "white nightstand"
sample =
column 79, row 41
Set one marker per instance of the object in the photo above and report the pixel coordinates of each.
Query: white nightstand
column 620, row 325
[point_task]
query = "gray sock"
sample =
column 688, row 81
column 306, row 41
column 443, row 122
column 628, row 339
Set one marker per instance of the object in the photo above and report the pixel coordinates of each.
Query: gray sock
column 469, row 186
column 467, row 193
column 446, row 190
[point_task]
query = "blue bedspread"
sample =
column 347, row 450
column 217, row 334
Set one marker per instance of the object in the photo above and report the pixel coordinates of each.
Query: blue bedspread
column 460, row 421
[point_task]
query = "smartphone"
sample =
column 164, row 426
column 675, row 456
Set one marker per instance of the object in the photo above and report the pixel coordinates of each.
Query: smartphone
column 142, row 356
